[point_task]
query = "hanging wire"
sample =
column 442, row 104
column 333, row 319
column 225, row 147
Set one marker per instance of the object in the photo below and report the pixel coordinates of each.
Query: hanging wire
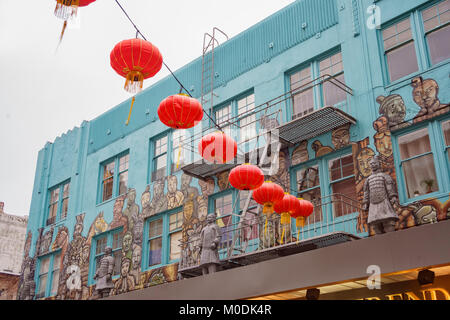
column 167, row 67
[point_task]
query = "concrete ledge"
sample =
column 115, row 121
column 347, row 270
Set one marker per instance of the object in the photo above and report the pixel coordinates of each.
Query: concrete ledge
column 417, row 247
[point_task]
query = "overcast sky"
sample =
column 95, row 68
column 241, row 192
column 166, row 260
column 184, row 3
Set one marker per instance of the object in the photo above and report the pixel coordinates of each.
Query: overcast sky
column 44, row 92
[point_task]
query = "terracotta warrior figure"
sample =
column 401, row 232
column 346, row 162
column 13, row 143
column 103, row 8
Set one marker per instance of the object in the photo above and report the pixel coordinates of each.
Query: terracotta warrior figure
column 210, row 238
column 104, row 274
column 380, row 197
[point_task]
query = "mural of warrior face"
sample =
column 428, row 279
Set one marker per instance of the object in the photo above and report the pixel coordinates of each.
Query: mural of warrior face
column 381, row 124
column 158, row 189
column 185, row 181
column 85, row 254
column 172, row 184
column 125, row 267
column 188, row 208
column 131, row 196
column 207, row 186
column 340, row 137
column 222, row 180
column 363, row 159
column 393, row 108
column 383, row 143
column 300, row 153
column 425, row 92
column 118, row 206
column 145, row 198
column 127, row 241
column 136, row 257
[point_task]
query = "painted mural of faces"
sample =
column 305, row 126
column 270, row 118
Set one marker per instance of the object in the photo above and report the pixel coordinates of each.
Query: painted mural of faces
column 207, row 186
column 127, row 241
column 145, row 198
column 136, row 257
column 172, row 184
column 222, row 180
column 118, row 206
column 393, row 108
column 300, row 153
column 185, row 181
column 158, row 189
column 340, row 137
column 363, row 161
column 125, row 267
column 131, row 196
column 425, row 92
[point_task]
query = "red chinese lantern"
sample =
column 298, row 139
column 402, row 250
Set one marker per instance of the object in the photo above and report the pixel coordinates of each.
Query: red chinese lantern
column 135, row 60
column 285, row 207
column 180, row 111
column 267, row 194
column 304, row 210
column 217, row 147
column 66, row 9
column 246, row 177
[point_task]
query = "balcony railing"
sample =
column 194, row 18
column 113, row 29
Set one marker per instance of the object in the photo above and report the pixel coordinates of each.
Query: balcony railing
column 253, row 238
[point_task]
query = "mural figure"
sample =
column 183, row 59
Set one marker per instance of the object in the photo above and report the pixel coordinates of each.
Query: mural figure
column 136, row 261
column 104, row 273
column 98, row 226
column 188, row 190
column 126, row 281
column 320, row 149
column 118, row 219
column 73, row 281
column 383, row 144
column 174, row 197
column 46, row 241
column 159, row 201
column 132, row 209
column 393, row 109
column 341, row 137
column 209, row 242
column 425, row 95
column 127, row 243
column 207, row 188
column 222, row 180
column 300, row 154
column 27, row 289
column 380, row 199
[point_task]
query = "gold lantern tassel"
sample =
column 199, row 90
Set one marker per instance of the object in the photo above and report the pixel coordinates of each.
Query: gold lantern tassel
column 267, row 210
column 131, row 108
column 179, row 155
column 62, row 31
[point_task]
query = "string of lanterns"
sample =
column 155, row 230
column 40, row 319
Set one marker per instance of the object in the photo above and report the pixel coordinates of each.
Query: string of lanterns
column 137, row 60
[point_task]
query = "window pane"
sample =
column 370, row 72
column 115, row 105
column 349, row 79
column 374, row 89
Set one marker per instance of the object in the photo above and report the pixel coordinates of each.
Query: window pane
column 308, row 178
column 55, row 282
column 101, row 245
column 246, row 104
column 107, row 189
column 243, row 195
column 161, row 146
column 224, row 205
column 341, row 204
column 175, row 221
column 314, row 196
column 117, row 255
column 155, row 252
column 66, row 190
column 175, row 245
column 123, row 181
column 226, row 225
column 420, row 176
column 123, row 163
column 54, row 195
column 414, row 144
column 65, row 206
column 45, row 264
column 248, row 127
column 332, row 94
column 446, row 130
column 42, row 285
column 53, row 211
column 397, row 34
column 402, row 61
column 155, row 228
column 160, row 167
column 439, row 45
column 341, row 167
column 303, row 103
column 117, row 241
column 223, row 114
column 108, row 170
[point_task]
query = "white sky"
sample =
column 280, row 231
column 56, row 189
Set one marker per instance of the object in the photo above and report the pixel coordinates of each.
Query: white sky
column 44, row 92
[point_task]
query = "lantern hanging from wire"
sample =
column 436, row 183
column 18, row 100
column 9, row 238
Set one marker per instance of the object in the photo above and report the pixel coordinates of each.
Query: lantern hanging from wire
column 267, row 195
column 67, row 9
column 217, row 147
column 135, row 60
column 285, row 207
column 304, row 210
column 180, row 111
column 246, row 177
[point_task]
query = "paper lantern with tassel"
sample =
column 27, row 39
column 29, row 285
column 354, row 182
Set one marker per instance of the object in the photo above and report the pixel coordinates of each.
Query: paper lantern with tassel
column 66, row 9
column 304, row 210
column 217, row 147
column 135, row 60
column 267, row 195
column 285, row 207
column 246, row 177
column 180, row 111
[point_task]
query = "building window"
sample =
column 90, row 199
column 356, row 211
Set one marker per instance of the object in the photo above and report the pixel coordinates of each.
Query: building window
column 436, row 23
column 58, row 203
column 399, row 50
column 223, row 208
column 163, row 236
column 48, row 278
column 330, row 177
column 326, row 72
column 114, row 182
column 111, row 239
column 342, row 180
column 247, row 123
column 160, row 158
column 417, row 163
column 223, row 115
column 446, row 132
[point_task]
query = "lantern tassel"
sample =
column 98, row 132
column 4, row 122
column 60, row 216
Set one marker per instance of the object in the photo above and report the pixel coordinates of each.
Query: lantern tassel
column 131, row 108
column 265, row 226
column 179, row 156
column 62, row 31
column 282, row 235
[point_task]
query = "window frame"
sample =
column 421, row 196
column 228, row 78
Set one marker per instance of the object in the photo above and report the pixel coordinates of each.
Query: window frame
column 165, row 242
column 115, row 192
column 317, row 87
column 51, row 269
column 109, row 235
column 438, row 151
column 59, row 204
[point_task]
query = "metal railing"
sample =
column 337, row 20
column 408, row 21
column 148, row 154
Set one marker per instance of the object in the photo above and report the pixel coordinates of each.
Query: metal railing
column 253, row 232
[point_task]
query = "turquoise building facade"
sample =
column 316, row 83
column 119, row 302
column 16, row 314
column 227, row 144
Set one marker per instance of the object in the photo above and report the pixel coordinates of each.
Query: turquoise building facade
column 370, row 78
